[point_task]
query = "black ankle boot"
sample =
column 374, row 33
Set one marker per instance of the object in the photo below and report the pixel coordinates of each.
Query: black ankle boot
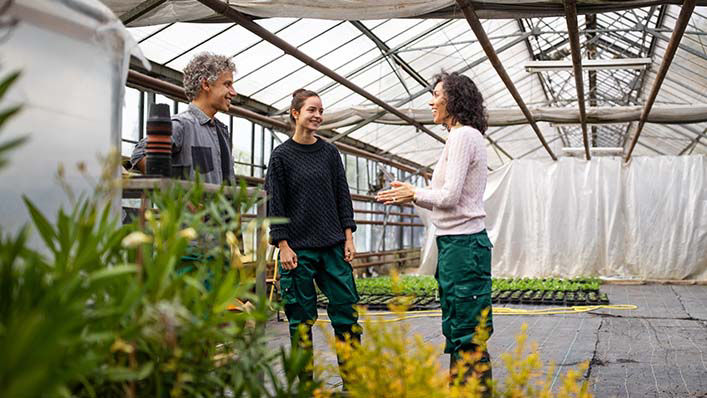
column 485, row 377
column 306, row 346
column 354, row 339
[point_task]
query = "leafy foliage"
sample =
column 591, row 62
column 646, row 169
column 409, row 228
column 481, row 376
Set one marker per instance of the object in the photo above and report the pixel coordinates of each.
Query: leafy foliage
column 6, row 114
column 421, row 286
column 392, row 362
column 101, row 311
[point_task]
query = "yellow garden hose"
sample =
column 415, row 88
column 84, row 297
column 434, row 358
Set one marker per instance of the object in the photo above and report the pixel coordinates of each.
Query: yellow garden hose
column 403, row 316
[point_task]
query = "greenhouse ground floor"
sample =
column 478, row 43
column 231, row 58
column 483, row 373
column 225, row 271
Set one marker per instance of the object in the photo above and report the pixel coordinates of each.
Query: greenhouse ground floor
column 658, row 349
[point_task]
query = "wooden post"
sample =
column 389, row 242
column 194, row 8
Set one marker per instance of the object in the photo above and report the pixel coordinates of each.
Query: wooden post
column 573, row 30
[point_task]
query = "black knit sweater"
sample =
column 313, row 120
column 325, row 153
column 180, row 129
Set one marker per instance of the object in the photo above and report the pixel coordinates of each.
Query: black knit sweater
column 307, row 184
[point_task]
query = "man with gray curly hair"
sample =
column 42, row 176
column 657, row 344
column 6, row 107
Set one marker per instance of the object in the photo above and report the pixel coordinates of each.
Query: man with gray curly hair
column 200, row 142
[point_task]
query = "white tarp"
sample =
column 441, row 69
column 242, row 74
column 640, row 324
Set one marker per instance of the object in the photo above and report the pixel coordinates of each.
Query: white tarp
column 192, row 10
column 73, row 58
column 644, row 220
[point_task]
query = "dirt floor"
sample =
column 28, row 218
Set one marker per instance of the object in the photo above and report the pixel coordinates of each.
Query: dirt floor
column 657, row 350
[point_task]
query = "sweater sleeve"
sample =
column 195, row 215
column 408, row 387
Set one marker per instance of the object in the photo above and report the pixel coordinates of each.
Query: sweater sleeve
column 420, row 202
column 275, row 188
column 460, row 153
column 343, row 196
column 138, row 152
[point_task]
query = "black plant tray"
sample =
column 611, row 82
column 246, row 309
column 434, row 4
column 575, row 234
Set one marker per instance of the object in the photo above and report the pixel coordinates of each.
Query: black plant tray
column 532, row 297
column 549, row 297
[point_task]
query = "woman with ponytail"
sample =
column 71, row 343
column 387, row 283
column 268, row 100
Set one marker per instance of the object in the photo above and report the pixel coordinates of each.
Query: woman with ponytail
column 306, row 183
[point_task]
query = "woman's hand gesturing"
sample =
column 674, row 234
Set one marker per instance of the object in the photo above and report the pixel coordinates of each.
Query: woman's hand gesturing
column 402, row 192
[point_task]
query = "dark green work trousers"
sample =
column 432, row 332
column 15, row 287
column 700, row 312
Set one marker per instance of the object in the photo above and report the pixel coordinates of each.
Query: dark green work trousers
column 464, row 278
column 334, row 278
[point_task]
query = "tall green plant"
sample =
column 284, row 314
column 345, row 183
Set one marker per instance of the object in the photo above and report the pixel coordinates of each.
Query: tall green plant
column 101, row 311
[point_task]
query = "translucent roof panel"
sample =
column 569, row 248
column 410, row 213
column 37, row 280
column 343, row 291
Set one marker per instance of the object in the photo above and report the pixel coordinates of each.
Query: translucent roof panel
column 177, row 39
column 143, row 33
column 428, row 46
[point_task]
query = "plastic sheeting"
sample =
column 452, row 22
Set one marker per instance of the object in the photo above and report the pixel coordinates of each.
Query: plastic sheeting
column 644, row 220
column 192, row 10
column 73, row 57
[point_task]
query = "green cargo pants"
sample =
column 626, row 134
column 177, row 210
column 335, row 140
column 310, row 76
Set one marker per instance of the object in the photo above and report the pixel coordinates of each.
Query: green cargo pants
column 334, row 278
column 464, row 278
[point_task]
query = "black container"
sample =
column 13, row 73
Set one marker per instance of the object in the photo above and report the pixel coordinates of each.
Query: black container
column 537, row 297
column 158, row 148
column 515, row 296
column 580, row 298
column 548, row 298
column 494, row 296
column 559, row 297
column 603, row 298
column 504, row 297
column 570, row 298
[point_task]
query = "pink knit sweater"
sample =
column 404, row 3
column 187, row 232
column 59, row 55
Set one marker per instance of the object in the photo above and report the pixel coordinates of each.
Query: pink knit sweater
column 456, row 193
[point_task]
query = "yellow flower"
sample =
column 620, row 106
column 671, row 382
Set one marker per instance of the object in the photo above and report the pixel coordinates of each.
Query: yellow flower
column 187, row 233
column 135, row 239
column 120, row 345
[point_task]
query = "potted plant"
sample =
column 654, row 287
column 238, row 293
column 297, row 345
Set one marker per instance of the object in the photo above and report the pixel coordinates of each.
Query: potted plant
column 505, row 296
column 569, row 298
column 537, row 297
column 515, row 296
column 548, row 297
column 603, row 298
column 559, row 297
column 494, row 295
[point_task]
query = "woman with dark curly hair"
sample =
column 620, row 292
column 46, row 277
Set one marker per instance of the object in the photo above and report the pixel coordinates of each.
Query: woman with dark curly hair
column 455, row 196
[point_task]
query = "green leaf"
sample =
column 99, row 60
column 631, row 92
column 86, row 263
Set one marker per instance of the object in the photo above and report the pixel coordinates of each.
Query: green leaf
column 226, row 292
column 6, row 83
column 194, row 283
column 6, row 114
column 9, row 145
column 121, row 373
column 111, row 272
column 15, row 142
column 45, row 229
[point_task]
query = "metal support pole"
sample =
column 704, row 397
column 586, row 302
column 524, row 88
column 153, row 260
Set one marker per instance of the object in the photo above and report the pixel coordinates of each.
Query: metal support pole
column 387, row 50
column 478, row 30
column 680, row 25
column 694, row 142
